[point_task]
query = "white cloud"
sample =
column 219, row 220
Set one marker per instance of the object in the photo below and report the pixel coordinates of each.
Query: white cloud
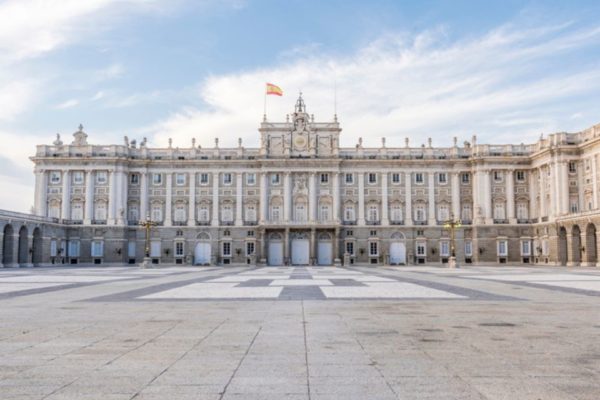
column 99, row 95
column 110, row 72
column 15, row 97
column 67, row 104
column 497, row 86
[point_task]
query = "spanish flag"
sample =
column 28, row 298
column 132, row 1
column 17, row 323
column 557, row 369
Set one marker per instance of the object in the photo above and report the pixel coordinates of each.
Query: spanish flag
column 274, row 89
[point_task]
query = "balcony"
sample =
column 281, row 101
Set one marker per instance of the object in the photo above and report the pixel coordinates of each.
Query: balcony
column 373, row 222
column 544, row 219
column 72, row 221
column 202, row 223
column 523, row 221
column 132, row 222
column 98, row 222
column 420, row 222
column 250, row 223
column 397, row 222
column 500, row 221
column 179, row 223
column 227, row 223
column 349, row 222
column 466, row 222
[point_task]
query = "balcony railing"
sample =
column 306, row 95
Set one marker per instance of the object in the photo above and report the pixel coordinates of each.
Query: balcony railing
column 466, row 222
column 202, row 223
column 179, row 223
column 500, row 221
column 98, row 222
column 226, row 223
column 523, row 221
column 420, row 222
column 373, row 222
column 250, row 223
column 345, row 222
column 72, row 221
column 397, row 222
column 132, row 222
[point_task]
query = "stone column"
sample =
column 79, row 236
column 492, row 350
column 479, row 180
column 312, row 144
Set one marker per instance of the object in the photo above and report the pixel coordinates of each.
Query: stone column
column 336, row 197
column 487, row 185
column 144, row 212
column 121, row 197
column 112, row 195
column 594, row 183
column 361, row 197
column 408, row 218
column 312, row 197
column 41, row 192
column 264, row 206
column 510, row 196
column 192, row 200
column 215, row 199
column 287, row 197
column 431, row 219
column 66, row 196
column 313, row 242
column 455, row 183
column 169, row 200
column 238, row 199
column 384, row 199
column 564, row 187
column 580, row 193
column 554, row 188
column 286, row 247
column 476, row 185
column 89, row 197
column 542, row 183
column 533, row 208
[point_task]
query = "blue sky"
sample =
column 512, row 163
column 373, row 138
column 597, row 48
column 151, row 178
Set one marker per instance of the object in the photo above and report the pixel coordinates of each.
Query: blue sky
column 506, row 71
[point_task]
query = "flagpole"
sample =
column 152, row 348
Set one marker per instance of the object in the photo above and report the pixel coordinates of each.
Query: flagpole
column 265, row 105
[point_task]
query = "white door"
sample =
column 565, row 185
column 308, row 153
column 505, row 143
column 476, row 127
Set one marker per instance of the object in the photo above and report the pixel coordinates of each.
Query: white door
column 324, row 253
column 397, row 253
column 202, row 253
column 275, row 253
column 300, row 253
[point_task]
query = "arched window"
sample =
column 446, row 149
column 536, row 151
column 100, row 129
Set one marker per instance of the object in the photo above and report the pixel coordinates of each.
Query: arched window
column 203, row 213
column 499, row 211
column 373, row 214
column 420, row 213
column 349, row 213
column 133, row 214
column 522, row 210
column 157, row 215
column 324, row 215
column 100, row 211
column 467, row 212
column 443, row 212
column 227, row 213
column 179, row 215
column 54, row 209
column 77, row 211
column 251, row 213
column 396, row 213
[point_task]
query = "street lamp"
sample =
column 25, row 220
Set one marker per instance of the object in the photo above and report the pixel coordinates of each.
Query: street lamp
column 452, row 224
column 147, row 224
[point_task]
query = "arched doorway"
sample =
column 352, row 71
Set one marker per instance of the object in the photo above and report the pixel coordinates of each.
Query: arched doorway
column 562, row 246
column 37, row 247
column 397, row 249
column 576, row 245
column 324, row 249
column 202, row 251
column 275, row 252
column 23, row 246
column 591, row 255
column 300, row 249
column 8, row 246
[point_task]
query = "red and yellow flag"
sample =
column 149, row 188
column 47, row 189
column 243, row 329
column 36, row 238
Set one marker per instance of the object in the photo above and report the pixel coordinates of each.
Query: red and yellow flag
column 274, row 89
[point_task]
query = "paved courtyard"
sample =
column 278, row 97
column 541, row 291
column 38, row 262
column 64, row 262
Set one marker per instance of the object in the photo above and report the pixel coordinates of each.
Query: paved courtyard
column 300, row 333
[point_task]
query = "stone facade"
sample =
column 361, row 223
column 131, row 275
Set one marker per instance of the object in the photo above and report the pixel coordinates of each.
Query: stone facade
column 300, row 198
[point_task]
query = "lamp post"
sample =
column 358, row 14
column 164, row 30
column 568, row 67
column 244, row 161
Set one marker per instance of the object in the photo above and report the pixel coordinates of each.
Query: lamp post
column 147, row 225
column 452, row 224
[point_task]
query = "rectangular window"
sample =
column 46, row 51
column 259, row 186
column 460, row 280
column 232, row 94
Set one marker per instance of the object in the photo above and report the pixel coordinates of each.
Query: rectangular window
column 156, row 179
column 55, row 177
column 324, row 178
column 395, row 177
column 350, row 248
column 74, row 248
column 204, row 179
column 465, row 177
column 155, row 249
column 373, row 249
column 178, row 249
column 134, row 179
column 444, row 249
column 97, row 248
column 419, row 177
column 442, row 177
column 77, row 178
column 421, row 249
column 349, row 179
column 251, row 179
column 525, row 248
column 227, row 178
column 502, row 248
column 101, row 177
column 520, row 176
column 226, row 249
column 250, row 247
column 468, row 248
column 497, row 176
column 180, row 179
column 372, row 177
column 275, row 179
column 572, row 167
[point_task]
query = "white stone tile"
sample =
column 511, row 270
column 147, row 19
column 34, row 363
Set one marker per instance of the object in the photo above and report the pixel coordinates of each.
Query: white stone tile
column 387, row 290
column 583, row 285
column 61, row 278
column 15, row 287
column 538, row 277
column 301, row 282
column 215, row 291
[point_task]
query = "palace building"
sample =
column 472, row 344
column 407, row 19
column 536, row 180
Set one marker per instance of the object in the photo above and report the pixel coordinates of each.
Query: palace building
column 301, row 199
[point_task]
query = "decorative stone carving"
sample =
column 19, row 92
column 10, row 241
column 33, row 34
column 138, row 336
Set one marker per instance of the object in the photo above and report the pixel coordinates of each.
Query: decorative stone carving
column 80, row 137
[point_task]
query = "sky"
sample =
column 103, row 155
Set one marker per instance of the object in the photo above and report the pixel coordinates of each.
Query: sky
column 506, row 71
